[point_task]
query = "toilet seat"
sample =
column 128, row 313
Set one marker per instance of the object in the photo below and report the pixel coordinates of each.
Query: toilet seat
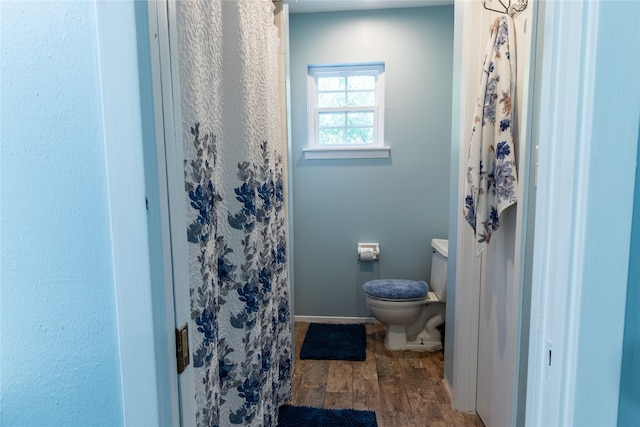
column 396, row 289
column 413, row 311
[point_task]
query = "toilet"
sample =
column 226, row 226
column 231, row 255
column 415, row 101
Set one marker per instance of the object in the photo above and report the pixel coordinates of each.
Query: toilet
column 412, row 310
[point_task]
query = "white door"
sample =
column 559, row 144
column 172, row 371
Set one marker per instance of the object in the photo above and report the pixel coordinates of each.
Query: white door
column 497, row 324
column 166, row 87
column 502, row 294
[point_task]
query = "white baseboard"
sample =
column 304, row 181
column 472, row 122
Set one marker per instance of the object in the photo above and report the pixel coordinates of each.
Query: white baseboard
column 332, row 319
column 447, row 387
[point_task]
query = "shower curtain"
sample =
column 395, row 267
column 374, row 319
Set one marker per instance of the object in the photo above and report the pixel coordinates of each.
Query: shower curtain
column 238, row 265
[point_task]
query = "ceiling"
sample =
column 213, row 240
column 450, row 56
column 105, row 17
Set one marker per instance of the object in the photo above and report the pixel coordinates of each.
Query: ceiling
column 308, row 6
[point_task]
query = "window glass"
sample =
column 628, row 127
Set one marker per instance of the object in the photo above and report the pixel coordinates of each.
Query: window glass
column 364, row 118
column 332, row 136
column 361, row 99
column 346, row 105
column 331, row 83
column 332, row 99
column 331, row 119
column 361, row 82
column 360, row 135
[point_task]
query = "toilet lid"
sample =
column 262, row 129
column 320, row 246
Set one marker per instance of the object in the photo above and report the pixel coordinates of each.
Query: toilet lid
column 396, row 289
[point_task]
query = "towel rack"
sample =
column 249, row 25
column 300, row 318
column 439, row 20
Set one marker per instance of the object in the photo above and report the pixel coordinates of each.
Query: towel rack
column 509, row 8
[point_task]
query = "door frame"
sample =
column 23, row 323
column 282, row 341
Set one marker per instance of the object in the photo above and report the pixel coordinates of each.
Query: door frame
column 146, row 348
column 579, row 281
column 169, row 155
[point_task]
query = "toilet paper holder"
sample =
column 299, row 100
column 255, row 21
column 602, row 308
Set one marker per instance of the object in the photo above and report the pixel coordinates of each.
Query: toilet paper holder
column 368, row 251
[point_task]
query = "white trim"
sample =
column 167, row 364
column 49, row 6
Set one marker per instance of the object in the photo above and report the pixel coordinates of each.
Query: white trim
column 348, row 152
column 579, row 281
column 345, row 68
column 158, row 41
column 467, row 268
column 313, row 110
column 454, row 178
column 289, row 196
column 170, row 150
column 124, row 158
column 334, row 319
column 447, row 388
column 527, row 196
column 555, row 209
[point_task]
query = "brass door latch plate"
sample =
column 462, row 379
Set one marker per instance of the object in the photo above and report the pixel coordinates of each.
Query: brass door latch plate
column 182, row 347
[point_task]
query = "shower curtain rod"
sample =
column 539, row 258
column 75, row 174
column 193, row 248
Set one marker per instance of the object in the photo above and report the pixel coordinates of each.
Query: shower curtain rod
column 508, row 9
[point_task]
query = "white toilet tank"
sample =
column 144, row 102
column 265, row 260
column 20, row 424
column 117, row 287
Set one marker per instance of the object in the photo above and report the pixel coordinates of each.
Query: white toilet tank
column 438, row 282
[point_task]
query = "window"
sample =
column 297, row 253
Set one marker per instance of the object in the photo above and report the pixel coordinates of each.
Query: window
column 346, row 111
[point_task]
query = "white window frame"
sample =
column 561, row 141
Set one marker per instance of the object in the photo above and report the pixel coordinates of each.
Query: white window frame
column 376, row 149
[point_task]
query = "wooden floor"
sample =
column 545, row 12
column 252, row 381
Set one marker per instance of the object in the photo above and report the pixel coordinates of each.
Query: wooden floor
column 404, row 388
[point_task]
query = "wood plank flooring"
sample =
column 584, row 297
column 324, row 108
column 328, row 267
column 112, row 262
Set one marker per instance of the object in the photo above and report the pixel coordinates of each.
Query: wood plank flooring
column 404, row 388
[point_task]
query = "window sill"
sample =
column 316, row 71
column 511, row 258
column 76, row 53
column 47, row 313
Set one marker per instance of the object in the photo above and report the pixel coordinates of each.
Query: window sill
column 320, row 153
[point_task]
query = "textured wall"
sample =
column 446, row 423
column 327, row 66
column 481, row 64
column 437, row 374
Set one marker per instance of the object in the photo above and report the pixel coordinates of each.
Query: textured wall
column 59, row 353
column 629, row 409
column 401, row 202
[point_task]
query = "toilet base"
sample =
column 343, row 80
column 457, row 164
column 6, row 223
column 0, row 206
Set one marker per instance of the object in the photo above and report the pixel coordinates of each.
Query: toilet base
column 396, row 339
column 418, row 345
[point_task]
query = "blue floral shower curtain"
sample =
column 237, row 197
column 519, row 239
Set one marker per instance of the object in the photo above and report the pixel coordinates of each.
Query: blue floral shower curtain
column 238, row 265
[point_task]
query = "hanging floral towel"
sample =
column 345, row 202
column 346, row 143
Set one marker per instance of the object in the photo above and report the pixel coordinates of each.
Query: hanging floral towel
column 491, row 167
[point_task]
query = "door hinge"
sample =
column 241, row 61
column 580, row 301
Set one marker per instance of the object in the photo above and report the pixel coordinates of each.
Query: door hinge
column 182, row 347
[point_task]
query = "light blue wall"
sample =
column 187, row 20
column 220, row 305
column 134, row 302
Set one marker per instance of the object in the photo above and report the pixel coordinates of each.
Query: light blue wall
column 401, row 202
column 629, row 406
column 59, row 358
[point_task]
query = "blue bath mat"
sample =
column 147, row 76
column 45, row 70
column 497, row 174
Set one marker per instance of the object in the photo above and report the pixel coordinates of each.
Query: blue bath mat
column 297, row 416
column 334, row 342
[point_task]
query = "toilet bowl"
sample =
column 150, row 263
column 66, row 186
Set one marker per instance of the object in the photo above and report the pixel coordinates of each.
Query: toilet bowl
column 412, row 310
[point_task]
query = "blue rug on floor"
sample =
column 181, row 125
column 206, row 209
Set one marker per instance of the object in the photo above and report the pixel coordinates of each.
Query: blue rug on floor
column 334, row 342
column 299, row 416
